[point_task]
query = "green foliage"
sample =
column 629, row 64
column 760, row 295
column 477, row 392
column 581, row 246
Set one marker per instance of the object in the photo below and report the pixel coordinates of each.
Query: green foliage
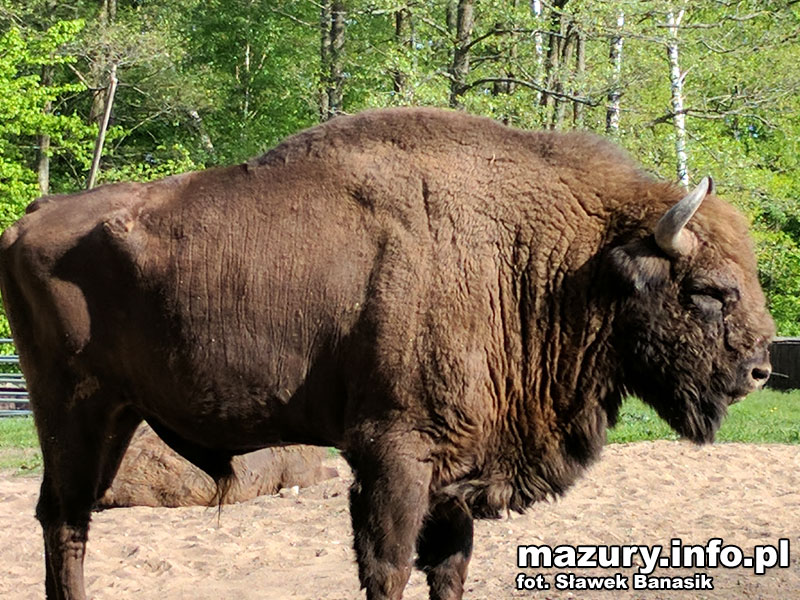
column 22, row 116
column 763, row 417
column 160, row 162
column 779, row 266
column 207, row 83
column 256, row 64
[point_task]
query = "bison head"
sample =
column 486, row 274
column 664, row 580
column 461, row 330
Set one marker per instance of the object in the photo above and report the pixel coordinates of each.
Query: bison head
column 692, row 329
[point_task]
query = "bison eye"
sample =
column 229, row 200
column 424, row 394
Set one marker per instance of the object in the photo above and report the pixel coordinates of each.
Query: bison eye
column 712, row 299
column 710, row 304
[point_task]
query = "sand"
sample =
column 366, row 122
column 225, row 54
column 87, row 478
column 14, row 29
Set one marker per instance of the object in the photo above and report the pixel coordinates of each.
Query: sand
column 289, row 546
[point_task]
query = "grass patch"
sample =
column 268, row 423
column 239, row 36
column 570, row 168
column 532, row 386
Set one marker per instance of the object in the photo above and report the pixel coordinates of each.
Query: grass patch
column 19, row 446
column 763, row 417
column 767, row 416
column 638, row 422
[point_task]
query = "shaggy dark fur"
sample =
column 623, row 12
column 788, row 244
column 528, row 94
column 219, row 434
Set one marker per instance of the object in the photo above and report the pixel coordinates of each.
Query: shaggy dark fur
column 458, row 305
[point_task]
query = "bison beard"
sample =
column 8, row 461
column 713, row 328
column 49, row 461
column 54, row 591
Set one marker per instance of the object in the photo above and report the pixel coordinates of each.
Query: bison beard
column 459, row 306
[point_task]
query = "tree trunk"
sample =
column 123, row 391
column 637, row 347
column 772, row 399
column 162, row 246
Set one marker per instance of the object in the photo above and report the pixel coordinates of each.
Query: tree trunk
column 615, row 56
column 676, row 83
column 337, row 46
column 580, row 69
column 459, row 69
column 324, row 58
column 204, row 137
column 106, row 17
column 43, row 169
column 538, row 46
column 332, row 43
column 246, row 84
column 108, row 11
column 564, row 76
column 403, row 40
column 556, row 39
column 508, row 86
column 101, row 134
column 43, row 141
column 451, row 15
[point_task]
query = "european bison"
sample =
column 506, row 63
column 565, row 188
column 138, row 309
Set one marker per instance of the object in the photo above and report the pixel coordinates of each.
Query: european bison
column 459, row 306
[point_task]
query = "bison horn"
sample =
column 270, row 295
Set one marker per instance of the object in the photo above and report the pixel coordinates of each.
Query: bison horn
column 670, row 234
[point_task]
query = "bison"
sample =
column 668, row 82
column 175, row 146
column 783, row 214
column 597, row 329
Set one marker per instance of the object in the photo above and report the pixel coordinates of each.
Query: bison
column 458, row 305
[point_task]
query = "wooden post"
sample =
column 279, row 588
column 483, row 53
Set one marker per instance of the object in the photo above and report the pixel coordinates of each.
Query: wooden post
column 101, row 134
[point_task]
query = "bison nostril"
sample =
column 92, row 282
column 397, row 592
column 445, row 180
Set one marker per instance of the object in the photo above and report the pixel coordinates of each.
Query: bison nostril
column 760, row 374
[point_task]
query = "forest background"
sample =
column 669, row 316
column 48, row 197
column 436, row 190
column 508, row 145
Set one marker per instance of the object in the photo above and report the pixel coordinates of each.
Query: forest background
column 688, row 88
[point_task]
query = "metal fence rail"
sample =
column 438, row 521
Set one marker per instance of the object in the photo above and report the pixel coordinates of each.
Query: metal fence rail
column 13, row 392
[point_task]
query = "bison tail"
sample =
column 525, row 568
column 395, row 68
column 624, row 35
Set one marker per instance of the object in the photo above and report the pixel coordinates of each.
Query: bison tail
column 224, row 485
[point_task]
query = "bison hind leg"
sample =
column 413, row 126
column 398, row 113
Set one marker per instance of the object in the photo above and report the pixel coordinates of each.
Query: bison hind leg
column 444, row 548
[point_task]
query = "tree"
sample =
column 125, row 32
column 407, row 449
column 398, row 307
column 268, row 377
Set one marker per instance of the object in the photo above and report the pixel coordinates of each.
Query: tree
column 615, row 56
column 676, row 78
column 462, row 33
column 249, row 69
column 213, row 82
column 24, row 114
column 332, row 29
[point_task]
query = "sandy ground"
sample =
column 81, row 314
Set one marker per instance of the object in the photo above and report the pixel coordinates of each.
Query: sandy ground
column 299, row 546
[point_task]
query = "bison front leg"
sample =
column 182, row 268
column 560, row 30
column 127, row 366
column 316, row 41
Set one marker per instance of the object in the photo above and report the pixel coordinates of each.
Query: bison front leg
column 388, row 501
column 444, row 548
column 64, row 545
column 81, row 449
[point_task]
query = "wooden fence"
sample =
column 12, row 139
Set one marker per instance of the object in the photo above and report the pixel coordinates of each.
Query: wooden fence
column 784, row 353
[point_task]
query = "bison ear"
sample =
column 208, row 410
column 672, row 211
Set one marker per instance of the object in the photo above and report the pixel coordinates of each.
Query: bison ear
column 639, row 265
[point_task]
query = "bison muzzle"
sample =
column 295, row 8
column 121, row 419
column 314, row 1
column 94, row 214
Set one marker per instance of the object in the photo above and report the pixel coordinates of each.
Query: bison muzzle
column 458, row 305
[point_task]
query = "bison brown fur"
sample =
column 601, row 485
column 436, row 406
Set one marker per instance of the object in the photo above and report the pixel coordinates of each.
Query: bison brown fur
column 458, row 305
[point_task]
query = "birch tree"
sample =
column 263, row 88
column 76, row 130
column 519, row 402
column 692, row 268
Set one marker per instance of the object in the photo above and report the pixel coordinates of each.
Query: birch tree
column 43, row 166
column 538, row 47
column 615, row 56
column 676, row 79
